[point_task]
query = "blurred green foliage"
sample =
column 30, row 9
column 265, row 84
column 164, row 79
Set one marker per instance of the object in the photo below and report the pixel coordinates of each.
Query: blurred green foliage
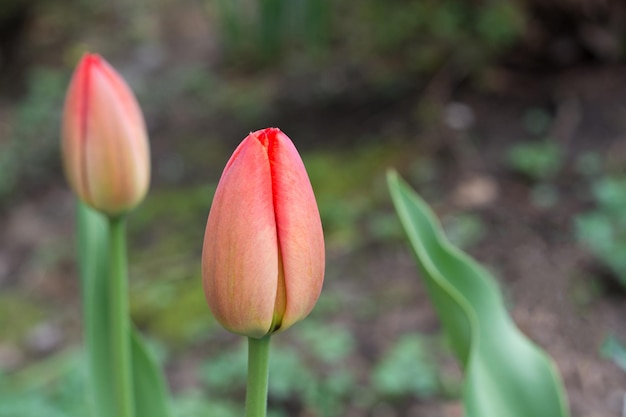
column 166, row 290
column 536, row 121
column 310, row 373
column 408, row 368
column 51, row 388
column 614, row 349
column 425, row 34
column 536, row 160
column 465, row 229
column 317, row 373
column 32, row 149
column 603, row 229
column 384, row 42
column 18, row 314
column 590, row 164
column 260, row 31
column 350, row 192
column 385, row 39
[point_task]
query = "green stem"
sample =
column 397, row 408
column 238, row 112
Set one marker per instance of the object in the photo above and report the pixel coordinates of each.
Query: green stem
column 258, row 371
column 120, row 320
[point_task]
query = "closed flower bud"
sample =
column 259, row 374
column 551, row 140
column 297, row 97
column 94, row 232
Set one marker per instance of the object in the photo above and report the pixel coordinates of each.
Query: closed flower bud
column 263, row 254
column 105, row 147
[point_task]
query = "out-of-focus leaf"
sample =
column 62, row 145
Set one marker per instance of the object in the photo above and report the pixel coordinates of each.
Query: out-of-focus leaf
column 151, row 395
column 407, row 368
column 506, row 375
column 614, row 350
column 538, row 161
column 151, row 399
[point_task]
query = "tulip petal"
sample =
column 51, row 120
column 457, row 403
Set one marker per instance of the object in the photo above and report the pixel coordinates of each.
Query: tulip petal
column 240, row 254
column 112, row 119
column 299, row 229
column 73, row 129
column 105, row 145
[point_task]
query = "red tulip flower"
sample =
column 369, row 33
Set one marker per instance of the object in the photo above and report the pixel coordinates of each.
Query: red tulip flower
column 104, row 141
column 263, row 254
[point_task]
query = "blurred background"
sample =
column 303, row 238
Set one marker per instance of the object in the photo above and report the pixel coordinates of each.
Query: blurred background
column 508, row 116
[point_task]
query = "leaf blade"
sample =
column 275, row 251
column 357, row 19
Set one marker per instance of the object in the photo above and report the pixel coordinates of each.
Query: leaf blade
column 151, row 398
column 506, row 375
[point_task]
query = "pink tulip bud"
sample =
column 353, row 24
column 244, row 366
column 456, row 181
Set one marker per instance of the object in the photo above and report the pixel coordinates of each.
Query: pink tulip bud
column 104, row 141
column 263, row 254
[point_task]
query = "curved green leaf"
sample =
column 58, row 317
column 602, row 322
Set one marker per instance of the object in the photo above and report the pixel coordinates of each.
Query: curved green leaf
column 151, row 395
column 151, row 398
column 506, row 375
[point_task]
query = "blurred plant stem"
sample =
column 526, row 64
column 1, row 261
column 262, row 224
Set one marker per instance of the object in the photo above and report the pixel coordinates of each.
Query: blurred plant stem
column 258, row 371
column 120, row 320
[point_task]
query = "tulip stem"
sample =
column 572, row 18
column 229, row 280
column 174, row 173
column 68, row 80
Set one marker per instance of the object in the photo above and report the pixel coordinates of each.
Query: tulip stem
column 120, row 320
column 258, row 371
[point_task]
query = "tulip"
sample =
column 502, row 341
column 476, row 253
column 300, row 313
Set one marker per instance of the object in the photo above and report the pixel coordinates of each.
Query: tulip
column 105, row 147
column 263, row 253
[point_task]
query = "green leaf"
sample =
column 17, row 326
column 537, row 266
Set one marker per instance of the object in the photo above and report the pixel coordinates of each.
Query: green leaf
column 151, row 395
column 506, row 375
column 407, row 368
column 151, row 399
